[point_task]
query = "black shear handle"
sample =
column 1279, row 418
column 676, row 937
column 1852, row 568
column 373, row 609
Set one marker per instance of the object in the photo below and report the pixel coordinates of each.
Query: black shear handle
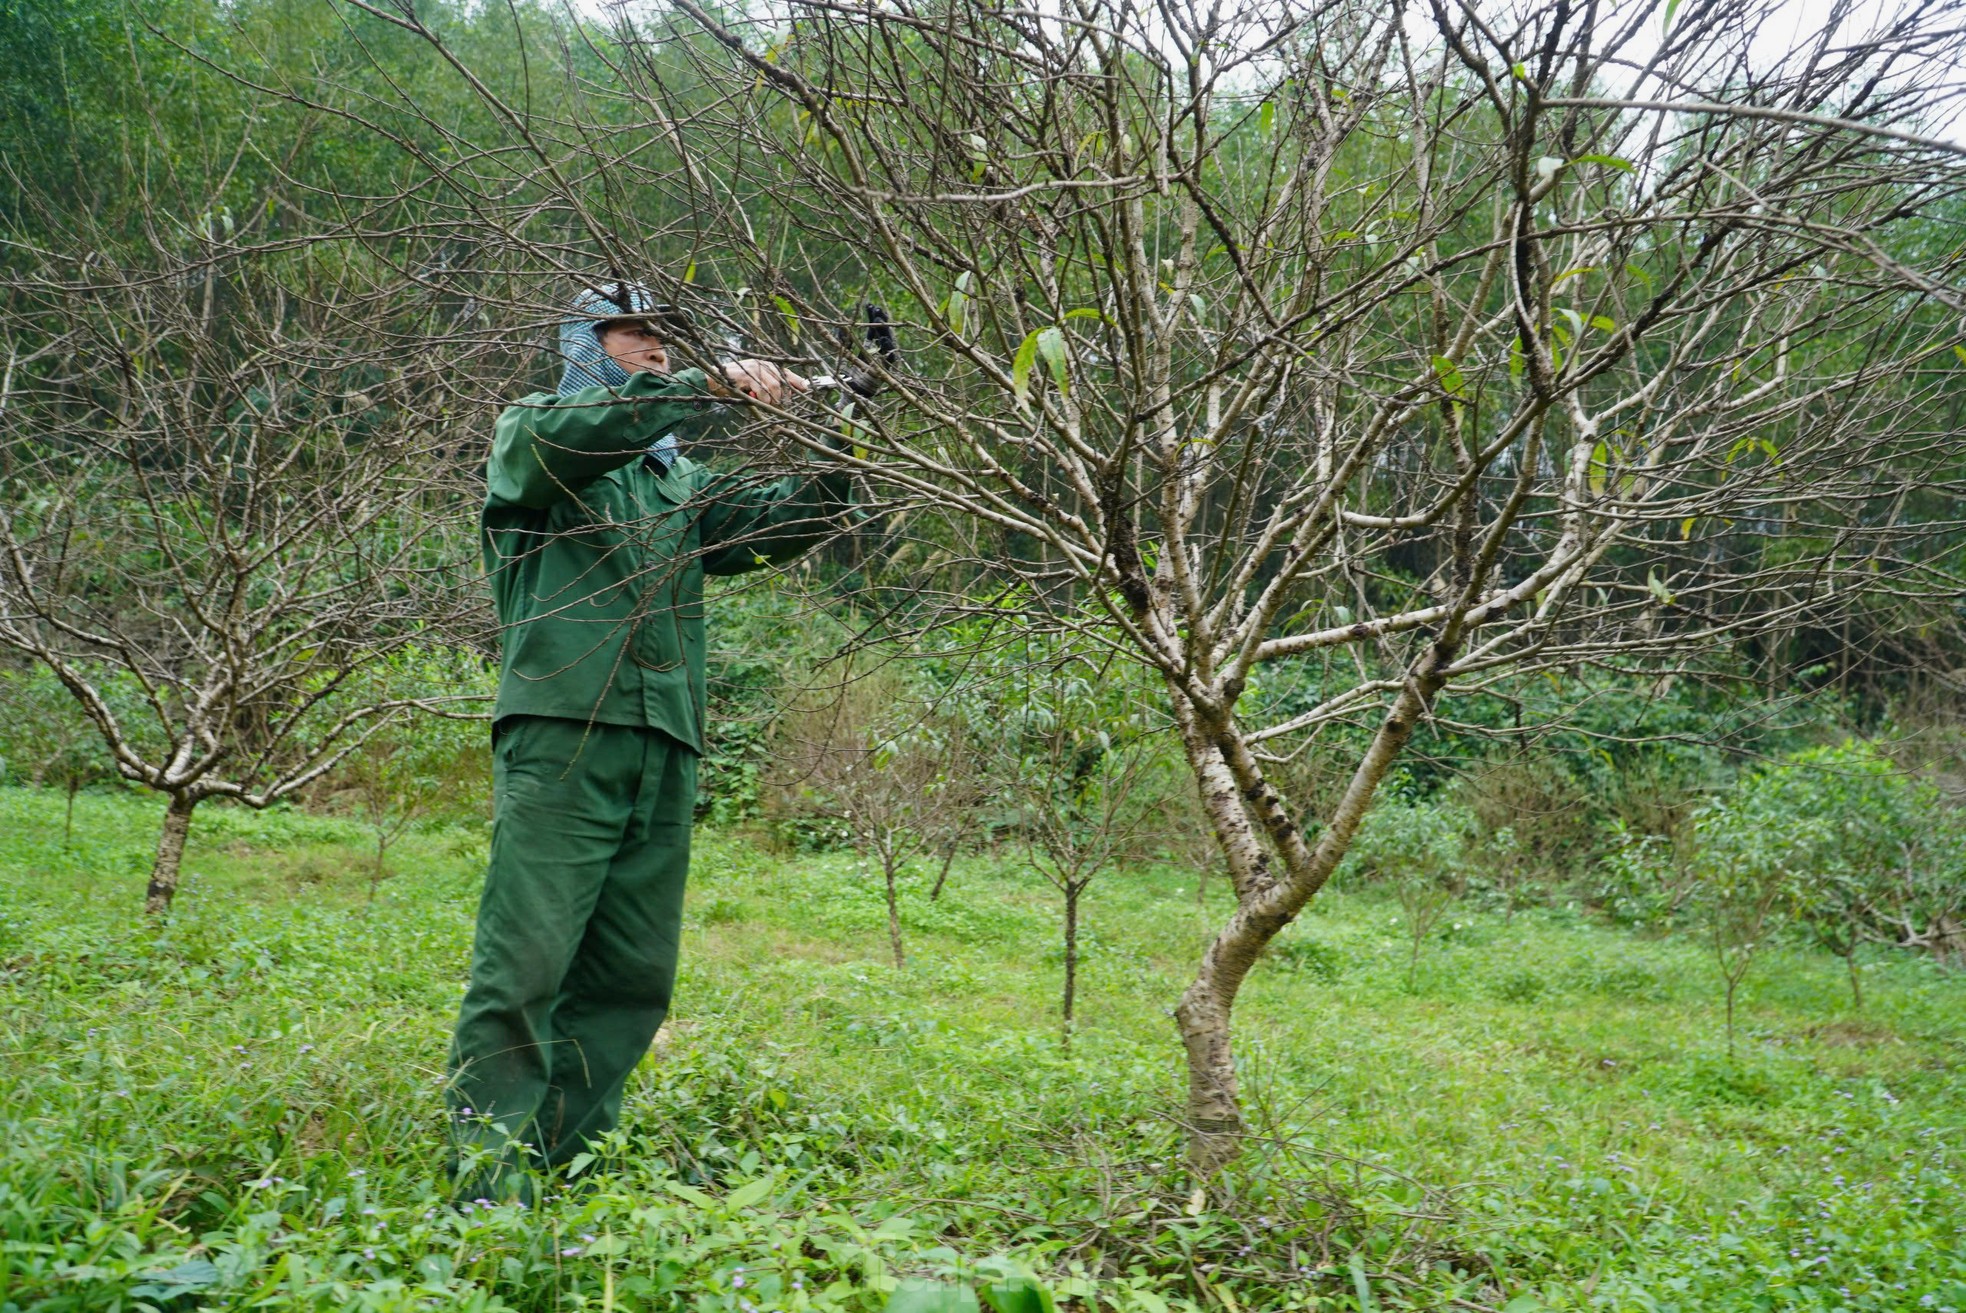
column 878, row 330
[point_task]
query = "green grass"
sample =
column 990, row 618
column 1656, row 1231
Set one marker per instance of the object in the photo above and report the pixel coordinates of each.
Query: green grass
column 242, row 1109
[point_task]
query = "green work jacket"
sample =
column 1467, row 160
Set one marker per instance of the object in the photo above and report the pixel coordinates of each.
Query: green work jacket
column 597, row 560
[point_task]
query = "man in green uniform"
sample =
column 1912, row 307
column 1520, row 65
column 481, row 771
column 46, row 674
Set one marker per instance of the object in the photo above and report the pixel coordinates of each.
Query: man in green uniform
column 598, row 531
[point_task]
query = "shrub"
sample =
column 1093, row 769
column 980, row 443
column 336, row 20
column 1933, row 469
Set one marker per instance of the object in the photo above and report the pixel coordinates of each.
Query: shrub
column 44, row 739
column 1521, row 985
column 1544, row 808
column 1296, row 951
column 1863, row 851
column 1885, row 857
column 1421, row 851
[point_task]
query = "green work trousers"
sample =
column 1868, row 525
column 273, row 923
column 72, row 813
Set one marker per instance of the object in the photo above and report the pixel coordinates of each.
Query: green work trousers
column 578, row 930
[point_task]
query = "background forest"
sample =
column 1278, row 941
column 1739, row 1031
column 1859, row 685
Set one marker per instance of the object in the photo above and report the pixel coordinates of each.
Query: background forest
column 1384, row 731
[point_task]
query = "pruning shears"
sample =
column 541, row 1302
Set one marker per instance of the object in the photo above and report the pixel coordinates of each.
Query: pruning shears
column 878, row 332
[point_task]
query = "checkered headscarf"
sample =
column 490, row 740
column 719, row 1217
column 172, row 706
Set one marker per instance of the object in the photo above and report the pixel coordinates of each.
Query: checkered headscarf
column 586, row 365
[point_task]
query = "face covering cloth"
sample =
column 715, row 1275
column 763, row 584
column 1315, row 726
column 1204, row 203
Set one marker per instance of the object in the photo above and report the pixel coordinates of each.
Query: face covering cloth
column 587, row 366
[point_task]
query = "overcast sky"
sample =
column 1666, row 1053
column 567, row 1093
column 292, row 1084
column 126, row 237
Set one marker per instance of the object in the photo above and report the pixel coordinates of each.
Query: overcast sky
column 1788, row 24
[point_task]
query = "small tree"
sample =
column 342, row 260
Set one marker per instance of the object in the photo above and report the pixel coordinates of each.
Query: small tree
column 228, row 490
column 411, row 768
column 1749, row 890
column 46, row 740
column 1887, row 862
column 1087, row 801
column 1832, row 910
column 1502, row 858
column 884, row 766
column 1863, row 831
column 1421, row 851
column 1068, row 760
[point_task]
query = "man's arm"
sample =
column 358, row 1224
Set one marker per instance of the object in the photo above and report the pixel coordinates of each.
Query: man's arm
column 747, row 525
column 544, row 451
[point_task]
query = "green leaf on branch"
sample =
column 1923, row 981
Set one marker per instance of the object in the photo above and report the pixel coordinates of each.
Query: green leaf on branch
column 1051, row 345
column 1608, row 161
column 1020, row 366
column 746, row 1195
column 1600, row 468
column 690, row 1194
column 1449, row 374
column 187, row 1278
column 956, row 308
column 790, row 315
column 856, row 438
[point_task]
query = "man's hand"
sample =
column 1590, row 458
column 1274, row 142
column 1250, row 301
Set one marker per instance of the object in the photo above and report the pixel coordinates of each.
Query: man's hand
column 762, row 381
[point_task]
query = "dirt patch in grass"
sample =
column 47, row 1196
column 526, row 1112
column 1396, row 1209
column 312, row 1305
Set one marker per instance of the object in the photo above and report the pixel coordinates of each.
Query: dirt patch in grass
column 741, row 942
column 1852, row 1033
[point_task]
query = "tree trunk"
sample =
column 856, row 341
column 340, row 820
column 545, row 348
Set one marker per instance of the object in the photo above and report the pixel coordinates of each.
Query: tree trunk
column 1947, row 941
column 1236, row 797
column 170, row 854
column 1731, row 983
column 376, row 875
column 68, row 825
column 893, row 916
column 942, row 877
column 1214, row 1113
column 1073, row 889
column 1856, row 981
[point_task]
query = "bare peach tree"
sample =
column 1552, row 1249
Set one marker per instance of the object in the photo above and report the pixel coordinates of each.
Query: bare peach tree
column 1409, row 353
column 1382, row 354
column 890, row 768
column 227, row 497
column 1086, row 807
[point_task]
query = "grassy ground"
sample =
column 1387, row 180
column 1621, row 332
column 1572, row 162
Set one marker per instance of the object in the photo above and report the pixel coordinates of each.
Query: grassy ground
column 241, row 1110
